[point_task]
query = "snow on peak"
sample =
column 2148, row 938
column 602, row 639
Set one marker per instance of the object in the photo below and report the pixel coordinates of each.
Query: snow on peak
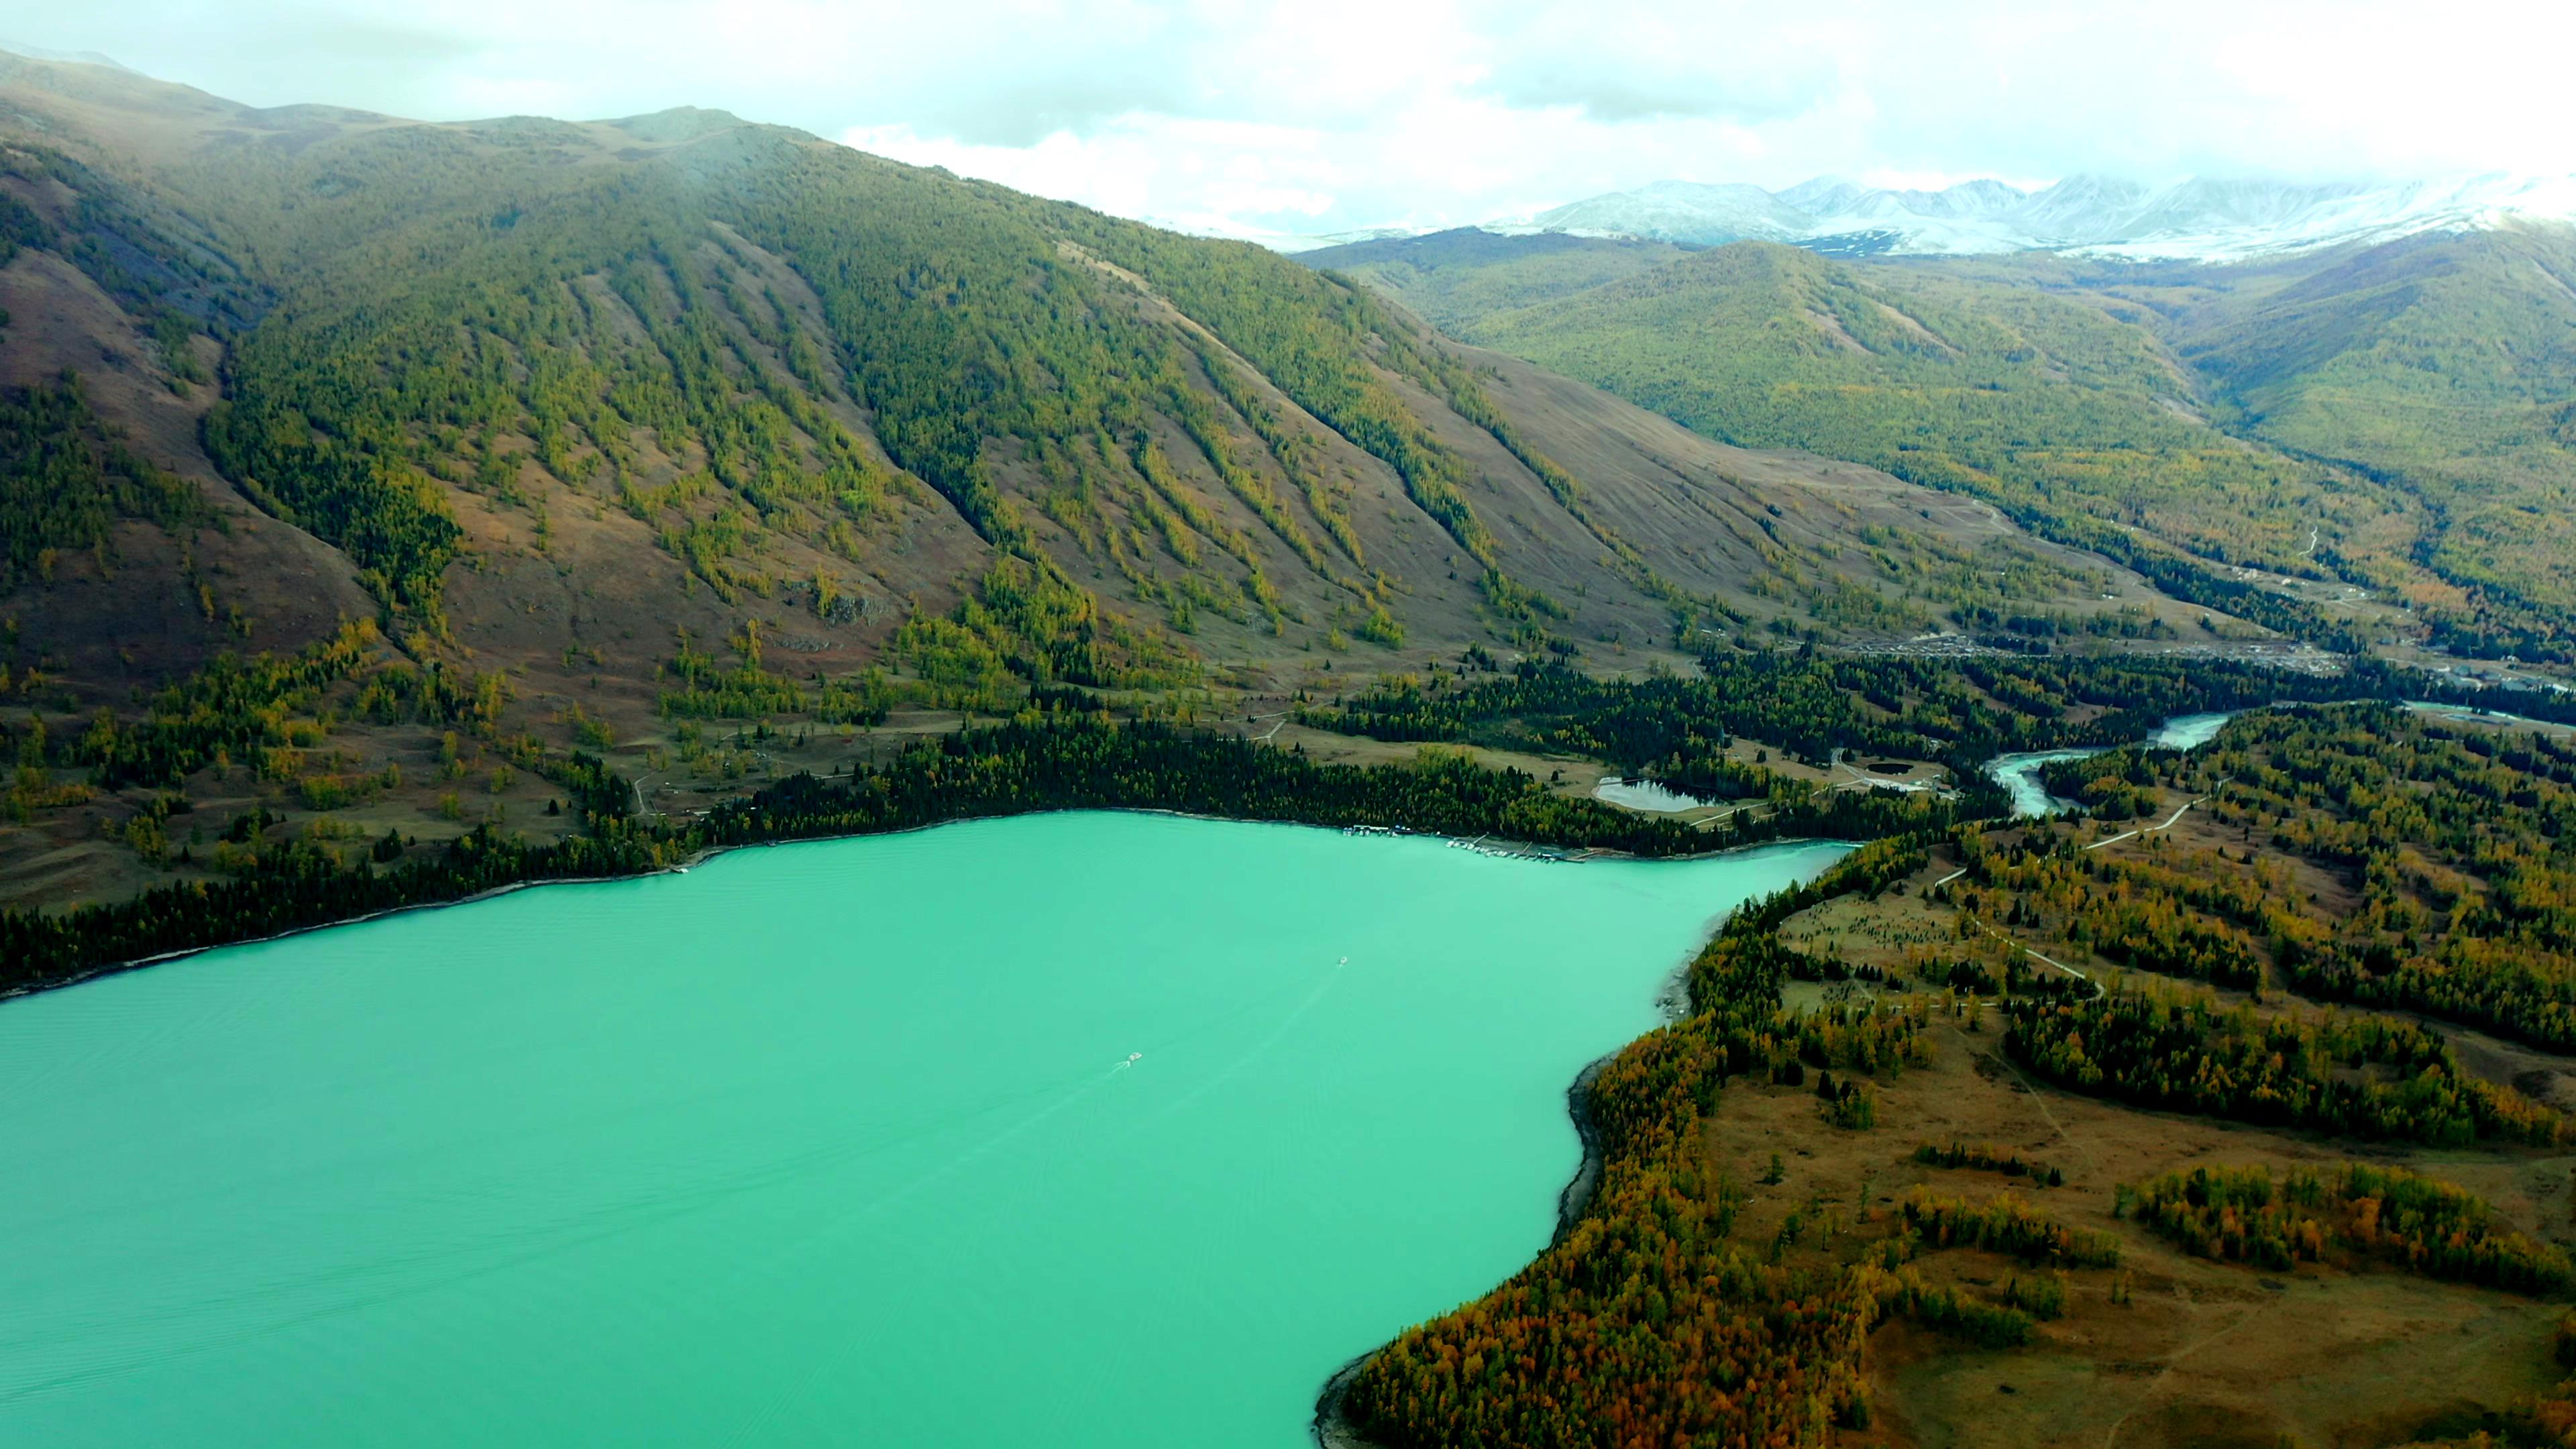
column 2200, row 218
column 1676, row 210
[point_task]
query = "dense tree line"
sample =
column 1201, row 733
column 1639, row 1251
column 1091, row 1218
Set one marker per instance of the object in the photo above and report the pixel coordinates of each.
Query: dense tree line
column 2459, row 842
column 2186, row 1053
column 2145, row 914
column 1957, row 1313
column 1057, row 761
column 1960, row 713
column 2005, row 1225
column 64, row 482
column 1986, row 1157
column 2420, row 1223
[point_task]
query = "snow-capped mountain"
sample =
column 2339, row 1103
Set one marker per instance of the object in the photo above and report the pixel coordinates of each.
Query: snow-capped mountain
column 2202, row 218
column 2076, row 210
column 2235, row 221
column 1676, row 211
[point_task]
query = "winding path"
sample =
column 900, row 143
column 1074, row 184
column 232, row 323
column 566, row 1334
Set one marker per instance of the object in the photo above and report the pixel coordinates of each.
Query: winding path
column 2168, row 824
column 2027, row 951
column 2150, row 829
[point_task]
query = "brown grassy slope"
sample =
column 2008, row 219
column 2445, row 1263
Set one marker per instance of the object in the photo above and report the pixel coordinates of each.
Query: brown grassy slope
column 274, row 586
column 2200, row 1352
column 1697, row 506
column 1695, row 510
column 561, row 588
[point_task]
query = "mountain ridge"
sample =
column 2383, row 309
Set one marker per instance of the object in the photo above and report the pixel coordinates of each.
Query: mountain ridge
column 558, row 415
column 2199, row 218
column 2422, row 387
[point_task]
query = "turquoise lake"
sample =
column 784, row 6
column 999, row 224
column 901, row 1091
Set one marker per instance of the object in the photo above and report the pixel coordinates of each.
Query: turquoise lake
column 835, row 1143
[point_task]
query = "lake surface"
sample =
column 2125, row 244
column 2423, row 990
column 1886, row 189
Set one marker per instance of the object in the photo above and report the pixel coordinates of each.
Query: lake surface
column 832, row 1143
column 1646, row 795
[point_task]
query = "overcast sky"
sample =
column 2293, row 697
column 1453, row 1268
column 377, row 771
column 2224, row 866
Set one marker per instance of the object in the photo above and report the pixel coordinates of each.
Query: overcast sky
column 1322, row 115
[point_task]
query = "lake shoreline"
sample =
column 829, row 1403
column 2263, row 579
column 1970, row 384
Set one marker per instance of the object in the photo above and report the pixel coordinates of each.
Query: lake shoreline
column 614, row 1126
column 1332, row 1426
column 1577, row 1194
column 1332, row 1420
column 1529, row 850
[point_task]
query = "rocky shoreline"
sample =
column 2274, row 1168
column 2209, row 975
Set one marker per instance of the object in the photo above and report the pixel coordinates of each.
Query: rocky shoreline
column 1332, row 1426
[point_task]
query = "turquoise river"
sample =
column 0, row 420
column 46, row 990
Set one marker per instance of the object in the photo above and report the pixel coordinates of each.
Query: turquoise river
column 1067, row 1130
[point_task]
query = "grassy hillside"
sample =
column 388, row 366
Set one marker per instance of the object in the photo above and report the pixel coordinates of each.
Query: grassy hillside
column 2447, row 364
column 1453, row 278
column 2395, row 416
column 663, row 437
column 2076, row 421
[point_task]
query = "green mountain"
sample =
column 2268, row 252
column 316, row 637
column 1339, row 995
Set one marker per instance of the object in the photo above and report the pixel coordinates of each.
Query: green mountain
column 1454, row 278
column 527, row 349
column 2394, row 418
column 627, row 434
column 2446, row 364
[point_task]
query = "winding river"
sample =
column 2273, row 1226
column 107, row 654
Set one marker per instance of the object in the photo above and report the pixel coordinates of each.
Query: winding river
column 2019, row 774
column 1066, row 1130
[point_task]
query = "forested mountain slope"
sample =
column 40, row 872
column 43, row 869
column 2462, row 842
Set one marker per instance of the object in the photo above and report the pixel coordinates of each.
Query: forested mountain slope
column 566, row 414
column 2440, row 365
column 2390, row 418
column 1456, row 278
column 532, row 378
column 2444, row 362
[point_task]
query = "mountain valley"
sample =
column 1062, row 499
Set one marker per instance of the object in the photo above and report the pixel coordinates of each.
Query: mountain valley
column 564, row 414
column 2053, row 710
column 2384, row 421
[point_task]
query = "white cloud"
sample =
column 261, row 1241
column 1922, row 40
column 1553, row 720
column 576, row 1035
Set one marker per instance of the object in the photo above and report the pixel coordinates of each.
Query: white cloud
column 1137, row 164
column 1328, row 114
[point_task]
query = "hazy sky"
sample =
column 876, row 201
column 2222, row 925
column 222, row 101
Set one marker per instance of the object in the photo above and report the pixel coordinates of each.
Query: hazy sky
column 1321, row 115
